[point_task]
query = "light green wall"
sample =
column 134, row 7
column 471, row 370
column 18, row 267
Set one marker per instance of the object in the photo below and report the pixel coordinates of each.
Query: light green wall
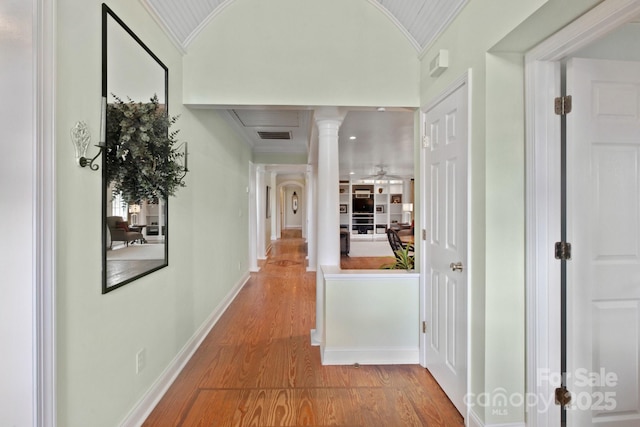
column 619, row 45
column 99, row 335
column 504, row 260
column 280, row 158
column 301, row 52
column 497, row 176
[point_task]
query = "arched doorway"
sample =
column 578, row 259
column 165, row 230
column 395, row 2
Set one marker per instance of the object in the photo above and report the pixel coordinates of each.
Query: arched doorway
column 291, row 207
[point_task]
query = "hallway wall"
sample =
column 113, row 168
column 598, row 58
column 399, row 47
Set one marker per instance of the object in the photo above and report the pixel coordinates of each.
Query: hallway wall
column 301, row 52
column 99, row 335
column 291, row 219
column 494, row 55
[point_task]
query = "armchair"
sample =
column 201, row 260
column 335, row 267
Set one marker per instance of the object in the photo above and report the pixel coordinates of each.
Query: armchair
column 119, row 230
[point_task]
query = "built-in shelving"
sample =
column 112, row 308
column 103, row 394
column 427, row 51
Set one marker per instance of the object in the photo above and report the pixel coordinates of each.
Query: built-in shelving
column 384, row 198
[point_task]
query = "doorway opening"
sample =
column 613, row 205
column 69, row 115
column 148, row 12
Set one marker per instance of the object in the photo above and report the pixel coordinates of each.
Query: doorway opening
column 596, row 309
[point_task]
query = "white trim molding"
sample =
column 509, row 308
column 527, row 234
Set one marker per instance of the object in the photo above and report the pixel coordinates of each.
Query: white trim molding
column 370, row 356
column 148, row 402
column 474, row 420
column 542, row 84
column 44, row 216
column 542, row 229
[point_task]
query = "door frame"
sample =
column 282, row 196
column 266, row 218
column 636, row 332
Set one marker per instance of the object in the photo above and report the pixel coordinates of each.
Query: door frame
column 463, row 80
column 542, row 192
column 282, row 205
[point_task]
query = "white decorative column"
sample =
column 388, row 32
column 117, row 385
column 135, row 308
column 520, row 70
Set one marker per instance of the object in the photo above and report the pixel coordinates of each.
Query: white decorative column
column 328, row 216
column 253, row 218
column 275, row 205
column 311, row 218
column 261, row 221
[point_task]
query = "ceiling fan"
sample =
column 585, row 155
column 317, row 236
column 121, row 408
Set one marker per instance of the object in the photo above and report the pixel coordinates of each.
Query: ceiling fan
column 381, row 174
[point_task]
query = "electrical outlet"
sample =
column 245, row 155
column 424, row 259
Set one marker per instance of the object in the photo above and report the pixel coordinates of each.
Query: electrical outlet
column 140, row 360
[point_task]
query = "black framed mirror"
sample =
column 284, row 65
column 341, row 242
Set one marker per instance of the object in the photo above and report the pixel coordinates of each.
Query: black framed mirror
column 135, row 233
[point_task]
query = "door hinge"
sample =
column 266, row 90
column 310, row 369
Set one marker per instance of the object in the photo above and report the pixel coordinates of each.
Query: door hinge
column 562, row 105
column 563, row 396
column 424, row 327
column 563, row 251
column 424, row 234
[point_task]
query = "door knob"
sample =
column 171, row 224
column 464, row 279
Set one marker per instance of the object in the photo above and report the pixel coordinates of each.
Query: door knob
column 456, row 266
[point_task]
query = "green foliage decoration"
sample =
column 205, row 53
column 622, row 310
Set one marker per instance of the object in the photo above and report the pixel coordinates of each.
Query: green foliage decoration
column 141, row 154
column 404, row 259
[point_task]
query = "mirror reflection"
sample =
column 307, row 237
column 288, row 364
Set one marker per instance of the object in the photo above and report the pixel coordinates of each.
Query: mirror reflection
column 134, row 82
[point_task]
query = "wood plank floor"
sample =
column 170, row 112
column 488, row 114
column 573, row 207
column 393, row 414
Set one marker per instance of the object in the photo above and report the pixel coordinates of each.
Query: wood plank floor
column 365, row 263
column 257, row 367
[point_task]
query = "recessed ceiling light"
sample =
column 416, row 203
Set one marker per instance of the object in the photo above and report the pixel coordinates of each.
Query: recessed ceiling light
column 352, row 138
column 382, row 109
column 352, row 173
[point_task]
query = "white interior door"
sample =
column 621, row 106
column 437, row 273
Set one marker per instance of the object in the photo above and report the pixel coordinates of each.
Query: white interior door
column 445, row 254
column 603, row 226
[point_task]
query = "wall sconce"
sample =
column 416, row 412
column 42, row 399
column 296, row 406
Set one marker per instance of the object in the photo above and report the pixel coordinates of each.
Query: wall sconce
column 294, row 202
column 134, row 210
column 80, row 138
column 186, row 157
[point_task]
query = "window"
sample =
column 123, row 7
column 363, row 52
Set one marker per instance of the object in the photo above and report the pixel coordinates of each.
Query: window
column 119, row 207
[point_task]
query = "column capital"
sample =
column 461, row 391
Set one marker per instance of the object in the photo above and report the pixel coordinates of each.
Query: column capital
column 330, row 114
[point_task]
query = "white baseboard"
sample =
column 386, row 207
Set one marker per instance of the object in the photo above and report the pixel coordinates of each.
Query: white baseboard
column 473, row 420
column 145, row 405
column 370, row 356
column 520, row 424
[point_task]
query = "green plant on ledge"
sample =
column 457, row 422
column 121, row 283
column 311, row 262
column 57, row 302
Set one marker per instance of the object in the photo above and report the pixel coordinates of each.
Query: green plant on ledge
column 404, row 259
column 141, row 153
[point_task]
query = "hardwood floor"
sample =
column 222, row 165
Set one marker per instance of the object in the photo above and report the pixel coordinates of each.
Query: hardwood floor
column 119, row 270
column 257, row 367
column 365, row 263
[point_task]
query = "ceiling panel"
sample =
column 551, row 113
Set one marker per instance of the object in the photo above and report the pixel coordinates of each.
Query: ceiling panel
column 251, row 123
column 268, row 118
column 382, row 138
column 424, row 20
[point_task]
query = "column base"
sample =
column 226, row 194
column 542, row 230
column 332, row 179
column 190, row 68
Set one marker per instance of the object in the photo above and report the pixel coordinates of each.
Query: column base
column 316, row 340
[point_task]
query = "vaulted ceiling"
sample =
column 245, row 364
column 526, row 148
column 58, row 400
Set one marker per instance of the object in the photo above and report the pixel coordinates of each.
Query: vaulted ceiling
column 420, row 20
column 369, row 140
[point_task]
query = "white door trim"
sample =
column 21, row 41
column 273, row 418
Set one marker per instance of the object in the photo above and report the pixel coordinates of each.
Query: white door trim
column 542, row 84
column 44, row 308
column 465, row 79
column 282, row 204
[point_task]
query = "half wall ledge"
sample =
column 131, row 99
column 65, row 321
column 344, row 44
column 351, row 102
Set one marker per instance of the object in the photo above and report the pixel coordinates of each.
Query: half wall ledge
column 371, row 317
